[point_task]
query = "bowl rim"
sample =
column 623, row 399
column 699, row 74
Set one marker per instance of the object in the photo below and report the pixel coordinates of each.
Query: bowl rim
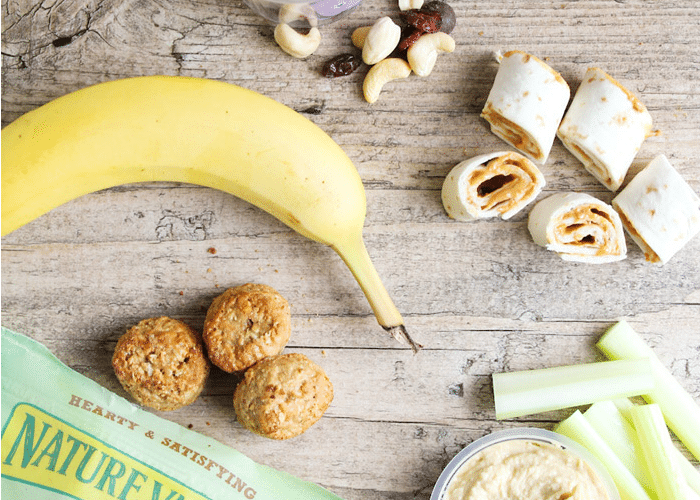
column 527, row 434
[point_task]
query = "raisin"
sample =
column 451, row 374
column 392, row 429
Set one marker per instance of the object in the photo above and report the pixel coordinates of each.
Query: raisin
column 446, row 13
column 341, row 65
column 426, row 22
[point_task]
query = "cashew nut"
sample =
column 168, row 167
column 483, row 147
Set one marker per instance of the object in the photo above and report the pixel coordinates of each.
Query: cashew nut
column 294, row 43
column 381, row 40
column 410, row 4
column 423, row 54
column 384, row 71
column 291, row 12
column 359, row 35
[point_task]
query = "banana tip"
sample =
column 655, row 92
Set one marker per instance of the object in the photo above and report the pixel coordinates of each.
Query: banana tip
column 399, row 333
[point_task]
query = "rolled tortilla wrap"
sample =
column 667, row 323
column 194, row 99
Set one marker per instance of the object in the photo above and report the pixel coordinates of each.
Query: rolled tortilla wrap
column 605, row 127
column 659, row 210
column 526, row 104
column 491, row 185
column 579, row 227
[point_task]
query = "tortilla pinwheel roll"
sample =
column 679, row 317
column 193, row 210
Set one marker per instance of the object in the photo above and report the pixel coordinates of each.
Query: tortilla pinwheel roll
column 526, row 104
column 659, row 210
column 579, row 227
column 605, row 127
column 491, row 185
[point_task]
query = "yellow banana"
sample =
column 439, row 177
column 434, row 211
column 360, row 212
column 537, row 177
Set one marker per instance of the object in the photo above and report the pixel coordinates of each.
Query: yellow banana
column 198, row 131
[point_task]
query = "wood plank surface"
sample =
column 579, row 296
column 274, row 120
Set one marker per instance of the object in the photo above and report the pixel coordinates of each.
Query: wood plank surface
column 481, row 296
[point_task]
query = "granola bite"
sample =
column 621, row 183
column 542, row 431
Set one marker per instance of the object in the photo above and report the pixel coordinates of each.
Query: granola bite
column 282, row 396
column 246, row 324
column 161, row 363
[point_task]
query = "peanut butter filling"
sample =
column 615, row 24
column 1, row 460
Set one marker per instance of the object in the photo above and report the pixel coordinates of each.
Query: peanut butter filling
column 510, row 132
column 588, row 226
column 649, row 254
column 502, row 183
column 591, row 163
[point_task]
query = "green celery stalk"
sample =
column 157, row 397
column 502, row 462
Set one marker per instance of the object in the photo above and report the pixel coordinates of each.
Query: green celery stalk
column 533, row 391
column 691, row 474
column 576, row 427
column 624, row 405
column 681, row 412
column 620, row 436
column 657, row 450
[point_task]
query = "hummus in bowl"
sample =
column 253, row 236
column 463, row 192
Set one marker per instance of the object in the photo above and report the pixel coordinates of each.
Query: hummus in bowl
column 524, row 464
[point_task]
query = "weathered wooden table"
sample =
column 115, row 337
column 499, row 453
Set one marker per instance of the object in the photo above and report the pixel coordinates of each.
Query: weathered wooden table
column 481, row 296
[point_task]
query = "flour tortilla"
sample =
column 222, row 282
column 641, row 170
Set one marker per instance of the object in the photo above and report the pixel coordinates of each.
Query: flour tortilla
column 496, row 184
column 526, row 104
column 578, row 227
column 604, row 127
column 659, row 210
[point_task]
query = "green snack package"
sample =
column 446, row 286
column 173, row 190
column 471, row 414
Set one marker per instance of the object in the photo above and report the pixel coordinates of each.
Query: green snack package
column 65, row 436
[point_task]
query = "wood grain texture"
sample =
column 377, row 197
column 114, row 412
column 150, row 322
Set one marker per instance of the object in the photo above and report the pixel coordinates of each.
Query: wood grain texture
column 481, row 297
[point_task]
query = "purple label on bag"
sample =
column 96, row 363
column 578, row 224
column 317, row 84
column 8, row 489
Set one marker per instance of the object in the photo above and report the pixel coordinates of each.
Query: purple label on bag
column 330, row 8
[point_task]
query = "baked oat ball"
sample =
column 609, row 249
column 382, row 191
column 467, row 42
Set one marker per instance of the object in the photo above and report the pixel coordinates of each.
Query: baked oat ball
column 161, row 363
column 282, row 396
column 246, row 324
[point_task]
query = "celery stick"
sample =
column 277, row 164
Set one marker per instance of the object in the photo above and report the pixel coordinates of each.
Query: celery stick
column 619, row 434
column 657, row 451
column 681, row 412
column 690, row 494
column 533, row 391
column 576, row 427
column 691, row 474
column 624, row 405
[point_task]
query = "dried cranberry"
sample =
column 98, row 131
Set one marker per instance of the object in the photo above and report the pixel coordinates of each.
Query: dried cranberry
column 447, row 14
column 341, row 65
column 426, row 22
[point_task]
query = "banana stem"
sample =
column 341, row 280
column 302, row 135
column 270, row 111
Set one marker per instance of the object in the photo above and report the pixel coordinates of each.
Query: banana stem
column 354, row 253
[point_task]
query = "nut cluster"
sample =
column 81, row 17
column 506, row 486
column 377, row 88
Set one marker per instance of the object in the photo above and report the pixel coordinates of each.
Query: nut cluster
column 394, row 50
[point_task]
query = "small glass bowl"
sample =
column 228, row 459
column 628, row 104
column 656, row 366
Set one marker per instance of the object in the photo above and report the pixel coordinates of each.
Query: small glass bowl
column 310, row 13
column 527, row 434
